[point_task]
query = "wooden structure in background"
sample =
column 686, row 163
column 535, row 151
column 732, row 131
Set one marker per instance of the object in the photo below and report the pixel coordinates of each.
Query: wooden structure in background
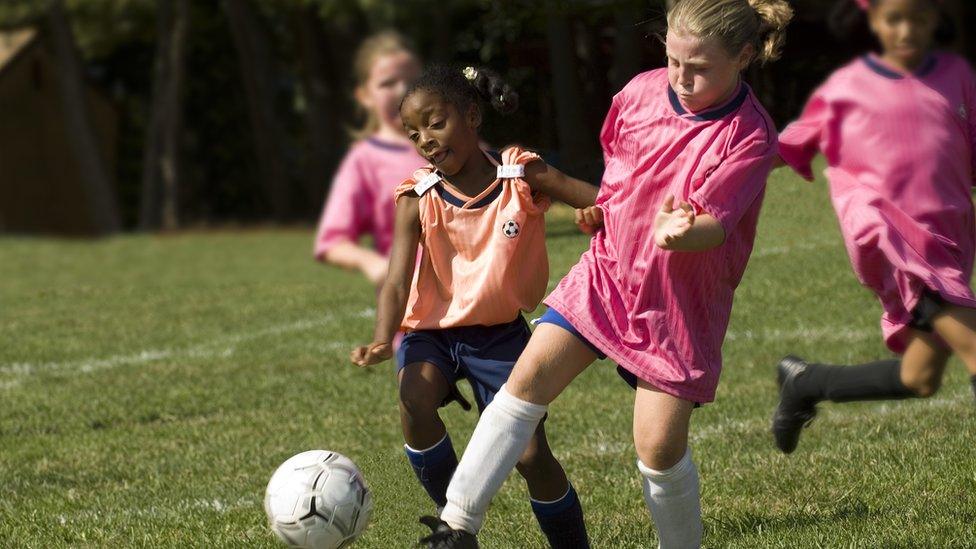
column 41, row 185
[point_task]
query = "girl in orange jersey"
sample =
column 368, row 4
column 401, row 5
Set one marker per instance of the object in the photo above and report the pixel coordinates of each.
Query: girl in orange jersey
column 479, row 222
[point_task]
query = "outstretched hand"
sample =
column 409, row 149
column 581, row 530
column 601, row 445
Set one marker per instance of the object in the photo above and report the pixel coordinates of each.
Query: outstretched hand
column 671, row 223
column 589, row 219
column 373, row 353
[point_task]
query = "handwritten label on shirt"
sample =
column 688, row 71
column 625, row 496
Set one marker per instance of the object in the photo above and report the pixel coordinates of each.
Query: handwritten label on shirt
column 510, row 171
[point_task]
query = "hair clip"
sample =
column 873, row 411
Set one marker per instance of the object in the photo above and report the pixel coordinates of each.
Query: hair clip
column 470, row 73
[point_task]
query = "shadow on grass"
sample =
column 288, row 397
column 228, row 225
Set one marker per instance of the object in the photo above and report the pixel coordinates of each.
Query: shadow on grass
column 751, row 523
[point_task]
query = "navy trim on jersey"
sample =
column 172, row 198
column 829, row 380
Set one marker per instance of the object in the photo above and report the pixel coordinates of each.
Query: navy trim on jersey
column 451, row 199
column 388, row 146
column 716, row 114
column 925, row 68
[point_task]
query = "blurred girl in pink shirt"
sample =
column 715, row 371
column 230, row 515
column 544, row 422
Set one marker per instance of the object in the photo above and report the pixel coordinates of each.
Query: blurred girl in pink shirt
column 898, row 130
column 360, row 201
column 688, row 149
column 479, row 221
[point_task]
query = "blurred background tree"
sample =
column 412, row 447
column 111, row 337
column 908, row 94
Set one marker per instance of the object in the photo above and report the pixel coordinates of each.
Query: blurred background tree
column 237, row 111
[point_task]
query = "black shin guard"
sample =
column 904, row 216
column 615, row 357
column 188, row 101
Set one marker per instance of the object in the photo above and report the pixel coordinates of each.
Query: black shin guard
column 873, row 381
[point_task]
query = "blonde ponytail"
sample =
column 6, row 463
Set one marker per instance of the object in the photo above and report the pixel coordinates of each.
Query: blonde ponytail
column 735, row 23
column 774, row 16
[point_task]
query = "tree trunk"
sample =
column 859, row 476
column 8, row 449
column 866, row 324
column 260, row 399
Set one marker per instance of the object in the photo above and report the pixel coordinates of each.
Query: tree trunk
column 254, row 55
column 626, row 47
column 324, row 133
column 98, row 188
column 576, row 149
column 161, row 170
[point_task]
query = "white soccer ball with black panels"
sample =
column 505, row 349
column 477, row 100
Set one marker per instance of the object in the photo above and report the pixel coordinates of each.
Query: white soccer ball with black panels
column 318, row 500
column 510, row 229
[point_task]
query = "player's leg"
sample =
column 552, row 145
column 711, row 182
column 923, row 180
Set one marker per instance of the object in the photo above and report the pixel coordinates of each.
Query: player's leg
column 555, row 503
column 668, row 474
column 551, row 360
column 803, row 384
column 957, row 327
column 426, row 380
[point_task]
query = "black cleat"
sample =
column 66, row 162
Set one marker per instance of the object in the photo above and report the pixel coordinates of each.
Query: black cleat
column 793, row 412
column 442, row 536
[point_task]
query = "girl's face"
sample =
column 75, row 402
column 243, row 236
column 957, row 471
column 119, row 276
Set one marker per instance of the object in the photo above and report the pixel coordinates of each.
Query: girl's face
column 905, row 29
column 389, row 78
column 443, row 135
column 701, row 72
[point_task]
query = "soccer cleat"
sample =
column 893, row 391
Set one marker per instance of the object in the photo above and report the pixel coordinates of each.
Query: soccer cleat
column 793, row 412
column 442, row 536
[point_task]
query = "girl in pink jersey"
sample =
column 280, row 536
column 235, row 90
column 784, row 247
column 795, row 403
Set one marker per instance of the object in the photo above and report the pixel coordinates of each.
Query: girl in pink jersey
column 360, row 202
column 898, row 131
column 654, row 291
column 479, row 221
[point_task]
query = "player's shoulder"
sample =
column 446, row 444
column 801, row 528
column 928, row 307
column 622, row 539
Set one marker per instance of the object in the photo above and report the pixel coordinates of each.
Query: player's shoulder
column 853, row 73
column 750, row 124
column 421, row 181
column 954, row 63
column 643, row 86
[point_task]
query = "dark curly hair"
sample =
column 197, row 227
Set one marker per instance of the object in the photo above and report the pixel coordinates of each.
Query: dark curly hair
column 847, row 18
column 463, row 87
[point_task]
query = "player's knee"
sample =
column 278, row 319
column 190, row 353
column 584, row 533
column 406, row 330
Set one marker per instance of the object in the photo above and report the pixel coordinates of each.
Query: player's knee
column 924, row 385
column 416, row 404
column 658, row 453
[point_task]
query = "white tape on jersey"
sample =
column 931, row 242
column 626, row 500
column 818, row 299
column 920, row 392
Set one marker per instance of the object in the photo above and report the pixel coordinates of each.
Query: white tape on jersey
column 426, row 183
column 510, row 171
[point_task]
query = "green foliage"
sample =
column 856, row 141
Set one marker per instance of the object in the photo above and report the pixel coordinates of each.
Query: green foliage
column 149, row 385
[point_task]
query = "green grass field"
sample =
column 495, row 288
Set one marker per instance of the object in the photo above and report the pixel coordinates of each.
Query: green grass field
column 149, row 385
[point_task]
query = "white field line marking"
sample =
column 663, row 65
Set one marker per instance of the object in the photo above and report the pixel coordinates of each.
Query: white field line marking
column 224, row 346
column 180, row 509
column 804, row 246
column 818, row 333
column 760, row 424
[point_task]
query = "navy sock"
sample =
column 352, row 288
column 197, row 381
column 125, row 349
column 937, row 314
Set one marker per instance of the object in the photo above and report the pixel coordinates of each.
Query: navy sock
column 873, row 381
column 434, row 468
column 562, row 521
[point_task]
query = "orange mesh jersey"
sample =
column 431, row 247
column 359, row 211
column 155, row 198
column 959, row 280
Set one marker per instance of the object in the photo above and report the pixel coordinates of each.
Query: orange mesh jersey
column 483, row 258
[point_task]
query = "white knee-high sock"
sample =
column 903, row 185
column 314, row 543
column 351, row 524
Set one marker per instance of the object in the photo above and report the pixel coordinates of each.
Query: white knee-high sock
column 502, row 434
column 673, row 500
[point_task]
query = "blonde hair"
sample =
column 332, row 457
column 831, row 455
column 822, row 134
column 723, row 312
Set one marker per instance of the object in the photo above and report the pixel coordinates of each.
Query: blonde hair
column 383, row 43
column 735, row 23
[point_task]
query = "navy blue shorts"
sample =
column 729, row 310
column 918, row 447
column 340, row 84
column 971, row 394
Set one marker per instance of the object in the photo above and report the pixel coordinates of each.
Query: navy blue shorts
column 484, row 355
column 929, row 306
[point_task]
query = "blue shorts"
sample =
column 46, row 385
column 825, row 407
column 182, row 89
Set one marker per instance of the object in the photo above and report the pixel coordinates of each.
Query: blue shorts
column 484, row 355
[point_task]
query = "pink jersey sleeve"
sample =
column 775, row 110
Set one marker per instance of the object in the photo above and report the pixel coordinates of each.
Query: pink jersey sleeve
column 346, row 215
column 971, row 115
column 611, row 125
column 800, row 141
column 733, row 186
column 408, row 185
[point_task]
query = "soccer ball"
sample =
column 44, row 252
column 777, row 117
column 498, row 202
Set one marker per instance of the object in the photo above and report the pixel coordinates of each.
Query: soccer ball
column 510, row 229
column 318, row 500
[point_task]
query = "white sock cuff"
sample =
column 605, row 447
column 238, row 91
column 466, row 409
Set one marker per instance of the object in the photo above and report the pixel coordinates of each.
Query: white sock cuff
column 557, row 500
column 517, row 408
column 438, row 443
column 459, row 519
column 677, row 471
